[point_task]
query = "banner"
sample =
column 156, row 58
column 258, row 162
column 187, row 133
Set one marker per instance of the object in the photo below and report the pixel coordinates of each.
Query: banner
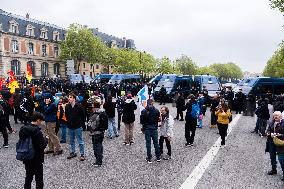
column 29, row 74
column 13, row 83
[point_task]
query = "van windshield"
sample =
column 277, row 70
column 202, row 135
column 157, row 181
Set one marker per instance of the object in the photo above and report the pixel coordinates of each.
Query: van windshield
column 245, row 85
column 211, row 83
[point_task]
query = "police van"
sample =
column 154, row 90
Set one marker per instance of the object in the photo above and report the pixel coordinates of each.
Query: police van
column 102, row 78
column 124, row 78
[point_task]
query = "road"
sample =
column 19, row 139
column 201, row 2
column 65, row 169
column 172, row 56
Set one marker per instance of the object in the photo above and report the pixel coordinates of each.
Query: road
column 241, row 164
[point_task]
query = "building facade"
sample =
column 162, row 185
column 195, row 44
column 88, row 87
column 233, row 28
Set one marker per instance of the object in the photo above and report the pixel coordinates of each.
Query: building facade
column 27, row 41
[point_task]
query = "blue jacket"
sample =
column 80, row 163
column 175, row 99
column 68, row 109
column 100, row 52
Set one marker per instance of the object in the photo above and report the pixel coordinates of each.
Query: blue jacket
column 49, row 112
column 149, row 118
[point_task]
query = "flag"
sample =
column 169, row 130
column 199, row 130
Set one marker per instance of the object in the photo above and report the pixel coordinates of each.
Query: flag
column 29, row 74
column 143, row 96
column 13, row 83
column 33, row 91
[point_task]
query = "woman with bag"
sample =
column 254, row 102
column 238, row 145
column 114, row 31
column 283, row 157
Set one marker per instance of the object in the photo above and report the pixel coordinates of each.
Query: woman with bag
column 275, row 136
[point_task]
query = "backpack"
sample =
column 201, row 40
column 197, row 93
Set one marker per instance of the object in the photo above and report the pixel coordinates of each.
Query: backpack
column 25, row 150
column 103, row 121
column 195, row 111
column 98, row 121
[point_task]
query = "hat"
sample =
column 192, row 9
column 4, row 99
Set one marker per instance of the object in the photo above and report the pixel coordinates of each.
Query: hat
column 129, row 96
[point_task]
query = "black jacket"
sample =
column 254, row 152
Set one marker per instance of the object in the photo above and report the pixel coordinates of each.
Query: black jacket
column 180, row 102
column 128, row 112
column 149, row 118
column 39, row 142
column 75, row 116
column 110, row 109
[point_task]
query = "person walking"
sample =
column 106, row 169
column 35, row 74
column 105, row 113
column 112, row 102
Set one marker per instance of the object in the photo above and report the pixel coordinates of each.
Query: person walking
column 119, row 106
column 128, row 118
column 149, row 119
column 109, row 107
column 76, row 117
column 166, row 132
column 223, row 114
column 49, row 112
column 34, row 167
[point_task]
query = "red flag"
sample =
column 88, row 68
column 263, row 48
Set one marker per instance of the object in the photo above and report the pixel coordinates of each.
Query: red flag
column 29, row 74
column 33, row 91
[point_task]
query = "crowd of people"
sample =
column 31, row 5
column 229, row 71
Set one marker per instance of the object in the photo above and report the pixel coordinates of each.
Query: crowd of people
column 93, row 108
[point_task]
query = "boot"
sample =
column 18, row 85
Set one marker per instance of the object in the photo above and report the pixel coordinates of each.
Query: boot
column 272, row 172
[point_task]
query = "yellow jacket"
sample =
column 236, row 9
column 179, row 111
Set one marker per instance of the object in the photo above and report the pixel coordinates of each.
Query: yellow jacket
column 223, row 117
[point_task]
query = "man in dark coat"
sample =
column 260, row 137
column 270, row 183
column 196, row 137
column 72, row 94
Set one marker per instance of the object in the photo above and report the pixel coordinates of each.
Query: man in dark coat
column 128, row 119
column 163, row 94
column 180, row 105
column 34, row 167
column 240, row 98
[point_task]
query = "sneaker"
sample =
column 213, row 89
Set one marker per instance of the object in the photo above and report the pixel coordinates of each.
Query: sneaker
column 187, row 144
column 5, row 145
column 71, row 155
column 222, row 146
column 148, row 160
column 190, row 144
column 117, row 135
column 272, row 172
column 167, row 157
column 127, row 144
column 124, row 143
column 82, row 158
column 97, row 165
column 58, row 152
column 158, row 159
column 132, row 142
column 181, row 120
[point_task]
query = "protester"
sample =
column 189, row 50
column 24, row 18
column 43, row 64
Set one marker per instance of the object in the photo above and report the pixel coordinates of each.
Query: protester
column 119, row 106
column 49, row 112
column 223, row 113
column 275, row 129
column 109, row 107
column 214, row 104
column 128, row 118
column 149, row 119
column 34, row 167
column 61, row 118
column 262, row 113
column 166, row 132
column 76, row 117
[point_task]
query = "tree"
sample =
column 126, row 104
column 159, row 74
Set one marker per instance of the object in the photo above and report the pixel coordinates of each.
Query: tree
column 164, row 66
column 277, row 4
column 81, row 45
column 275, row 65
column 127, row 61
column 206, row 70
column 227, row 71
column 186, row 66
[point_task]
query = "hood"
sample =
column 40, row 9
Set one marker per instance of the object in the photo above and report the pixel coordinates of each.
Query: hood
column 27, row 131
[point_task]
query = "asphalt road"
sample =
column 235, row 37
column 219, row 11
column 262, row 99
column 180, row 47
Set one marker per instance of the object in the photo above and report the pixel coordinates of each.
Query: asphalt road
column 241, row 164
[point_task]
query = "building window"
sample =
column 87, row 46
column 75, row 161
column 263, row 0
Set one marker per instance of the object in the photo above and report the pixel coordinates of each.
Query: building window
column 56, row 52
column 15, row 46
column 84, row 65
column 97, row 66
column 56, row 36
column 44, row 69
column 32, row 65
column 43, row 50
column 31, row 48
column 14, row 26
column 43, row 33
column 56, row 69
column 30, row 30
column 16, row 67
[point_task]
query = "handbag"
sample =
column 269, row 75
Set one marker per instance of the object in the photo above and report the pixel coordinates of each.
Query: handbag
column 278, row 142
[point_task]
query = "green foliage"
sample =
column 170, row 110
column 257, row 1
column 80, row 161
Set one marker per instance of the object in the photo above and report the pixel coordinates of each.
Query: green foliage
column 206, row 70
column 127, row 61
column 164, row 66
column 186, row 66
column 226, row 71
column 277, row 4
column 81, row 45
column 275, row 65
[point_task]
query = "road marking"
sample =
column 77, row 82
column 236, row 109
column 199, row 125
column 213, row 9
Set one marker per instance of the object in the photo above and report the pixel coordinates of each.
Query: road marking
column 199, row 170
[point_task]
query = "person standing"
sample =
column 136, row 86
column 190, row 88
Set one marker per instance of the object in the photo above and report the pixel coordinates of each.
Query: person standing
column 119, row 106
column 3, row 126
column 223, row 114
column 34, row 167
column 163, row 95
column 180, row 102
column 109, row 107
column 76, row 117
column 275, row 129
column 49, row 112
column 61, row 118
column 149, row 119
column 166, row 132
column 240, row 98
column 214, row 104
column 128, row 118
column 17, row 102
column 262, row 113
column 192, row 113
column 97, row 125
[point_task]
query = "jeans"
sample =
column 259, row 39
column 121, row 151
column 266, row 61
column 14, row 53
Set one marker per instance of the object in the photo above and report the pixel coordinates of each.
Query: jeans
column 63, row 132
column 223, row 128
column 34, row 169
column 154, row 135
column 168, row 144
column 3, row 130
column 200, row 123
column 190, row 127
column 78, row 134
column 260, row 125
column 112, row 127
column 119, row 115
column 179, row 113
column 213, row 118
column 281, row 161
column 272, row 153
column 98, row 147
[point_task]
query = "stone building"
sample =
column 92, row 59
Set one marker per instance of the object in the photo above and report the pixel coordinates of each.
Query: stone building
column 27, row 41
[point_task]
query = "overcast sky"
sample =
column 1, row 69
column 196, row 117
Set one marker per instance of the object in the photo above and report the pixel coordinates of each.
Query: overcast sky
column 246, row 32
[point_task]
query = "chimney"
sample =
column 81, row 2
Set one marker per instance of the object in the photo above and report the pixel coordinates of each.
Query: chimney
column 27, row 16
